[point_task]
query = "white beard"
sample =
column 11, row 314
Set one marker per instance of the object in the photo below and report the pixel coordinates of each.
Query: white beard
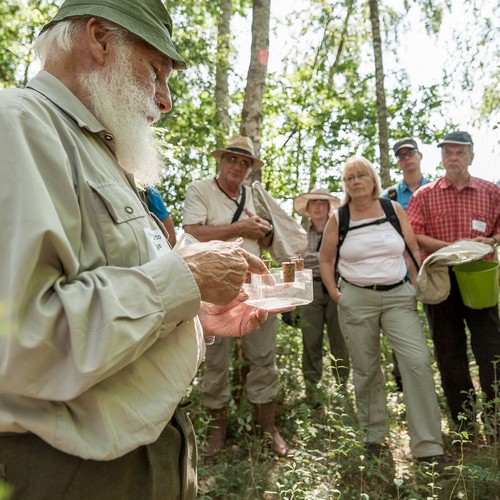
column 123, row 107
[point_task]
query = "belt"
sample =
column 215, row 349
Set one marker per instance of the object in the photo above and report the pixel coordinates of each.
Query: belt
column 379, row 288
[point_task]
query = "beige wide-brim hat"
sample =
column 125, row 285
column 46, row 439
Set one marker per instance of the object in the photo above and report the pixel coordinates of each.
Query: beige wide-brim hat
column 300, row 202
column 239, row 145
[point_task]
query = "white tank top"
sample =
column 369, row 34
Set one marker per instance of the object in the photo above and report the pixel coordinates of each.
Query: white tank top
column 372, row 254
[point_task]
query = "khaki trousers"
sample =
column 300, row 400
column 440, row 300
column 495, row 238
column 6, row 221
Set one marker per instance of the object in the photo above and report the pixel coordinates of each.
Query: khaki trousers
column 362, row 313
column 259, row 349
column 321, row 312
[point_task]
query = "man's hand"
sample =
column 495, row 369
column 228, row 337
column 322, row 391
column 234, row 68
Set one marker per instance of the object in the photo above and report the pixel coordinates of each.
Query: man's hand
column 236, row 319
column 219, row 268
column 254, row 228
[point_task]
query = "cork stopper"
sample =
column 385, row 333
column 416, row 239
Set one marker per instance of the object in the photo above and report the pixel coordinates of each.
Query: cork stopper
column 288, row 269
column 299, row 262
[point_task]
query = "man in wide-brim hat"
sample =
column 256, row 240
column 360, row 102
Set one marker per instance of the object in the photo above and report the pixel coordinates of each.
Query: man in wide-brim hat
column 318, row 205
column 223, row 208
column 239, row 146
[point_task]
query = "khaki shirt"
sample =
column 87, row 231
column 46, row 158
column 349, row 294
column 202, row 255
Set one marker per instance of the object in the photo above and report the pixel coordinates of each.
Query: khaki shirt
column 206, row 204
column 98, row 340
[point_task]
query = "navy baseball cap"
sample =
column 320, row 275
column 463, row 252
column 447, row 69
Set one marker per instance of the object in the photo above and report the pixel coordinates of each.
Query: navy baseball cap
column 407, row 142
column 459, row 137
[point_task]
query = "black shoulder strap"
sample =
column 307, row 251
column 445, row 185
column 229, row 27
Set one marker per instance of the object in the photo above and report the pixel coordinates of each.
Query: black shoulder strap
column 392, row 217
column 241, row 205
column 392, row 193
column 344, row 219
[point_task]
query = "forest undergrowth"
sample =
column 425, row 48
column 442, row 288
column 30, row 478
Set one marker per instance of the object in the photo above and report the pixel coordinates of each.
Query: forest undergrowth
column 328, row 460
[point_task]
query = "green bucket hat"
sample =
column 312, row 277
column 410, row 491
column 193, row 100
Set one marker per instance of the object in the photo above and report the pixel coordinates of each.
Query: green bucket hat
column 147, row 19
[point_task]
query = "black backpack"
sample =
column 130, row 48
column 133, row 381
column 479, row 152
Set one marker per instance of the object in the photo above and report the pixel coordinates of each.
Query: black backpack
column 390, row 216
column 392, row 193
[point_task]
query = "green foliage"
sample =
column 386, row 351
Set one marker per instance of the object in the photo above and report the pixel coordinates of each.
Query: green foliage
column 319, row 104
column 329, row 460
column 21, row 21
column 5, row 491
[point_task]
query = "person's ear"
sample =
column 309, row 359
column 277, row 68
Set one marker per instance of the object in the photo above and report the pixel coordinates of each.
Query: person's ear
column 98, row 37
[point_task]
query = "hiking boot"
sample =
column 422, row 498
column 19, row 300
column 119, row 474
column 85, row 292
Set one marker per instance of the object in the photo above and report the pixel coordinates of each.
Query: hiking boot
column 216, row 433
column 264, row 415
column 439, row 463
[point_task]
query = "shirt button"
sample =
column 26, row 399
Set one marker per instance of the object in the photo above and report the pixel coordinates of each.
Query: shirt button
column 129, row 210
column 108, row 137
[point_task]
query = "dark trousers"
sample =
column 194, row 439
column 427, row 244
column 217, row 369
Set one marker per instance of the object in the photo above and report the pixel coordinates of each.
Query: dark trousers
column 165, row 469
column 313, row 318
column 447, row 322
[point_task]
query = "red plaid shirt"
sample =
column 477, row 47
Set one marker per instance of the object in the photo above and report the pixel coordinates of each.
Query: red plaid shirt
column 441, row 211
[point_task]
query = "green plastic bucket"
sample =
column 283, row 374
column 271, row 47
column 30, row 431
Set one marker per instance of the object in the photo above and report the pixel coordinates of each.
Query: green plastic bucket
column 478, row 283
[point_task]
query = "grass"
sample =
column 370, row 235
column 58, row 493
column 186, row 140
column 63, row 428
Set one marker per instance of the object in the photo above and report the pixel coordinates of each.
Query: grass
column 328, row 459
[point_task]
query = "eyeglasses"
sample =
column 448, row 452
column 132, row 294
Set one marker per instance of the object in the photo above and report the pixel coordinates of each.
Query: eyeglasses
column 403, row 156
column 234, row 160
column 360, row 177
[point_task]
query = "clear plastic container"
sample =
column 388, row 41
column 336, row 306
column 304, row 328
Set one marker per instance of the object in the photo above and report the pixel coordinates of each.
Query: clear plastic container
column 271, row 293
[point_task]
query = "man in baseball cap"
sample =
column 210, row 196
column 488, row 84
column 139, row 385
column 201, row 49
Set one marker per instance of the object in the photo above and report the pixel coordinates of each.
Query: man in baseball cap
column 460, row 207
column 409, row 158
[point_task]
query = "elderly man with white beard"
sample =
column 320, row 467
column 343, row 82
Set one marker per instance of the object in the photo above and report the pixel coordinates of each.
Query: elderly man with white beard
column 100, row 321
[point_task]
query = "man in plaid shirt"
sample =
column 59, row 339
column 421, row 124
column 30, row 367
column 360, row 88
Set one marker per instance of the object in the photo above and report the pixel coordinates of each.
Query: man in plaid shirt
column 457, row 207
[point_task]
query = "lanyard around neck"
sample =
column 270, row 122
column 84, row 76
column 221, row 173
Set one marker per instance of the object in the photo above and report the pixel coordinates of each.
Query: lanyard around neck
column 239, row 205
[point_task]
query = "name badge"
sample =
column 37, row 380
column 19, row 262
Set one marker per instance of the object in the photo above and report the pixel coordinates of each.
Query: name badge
column 479, row 225
column 157, row 243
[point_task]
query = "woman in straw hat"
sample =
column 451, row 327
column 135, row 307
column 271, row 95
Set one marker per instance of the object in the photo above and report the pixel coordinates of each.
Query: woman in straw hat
column 317, row 206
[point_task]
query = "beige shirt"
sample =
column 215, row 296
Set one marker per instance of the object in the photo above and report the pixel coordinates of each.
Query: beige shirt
column 98, row 340
column 206, row 204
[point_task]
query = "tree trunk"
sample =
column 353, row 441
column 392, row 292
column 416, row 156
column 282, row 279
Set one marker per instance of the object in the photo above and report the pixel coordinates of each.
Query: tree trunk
column 222, row 66
column 383, row 133
column 251, row 120
column 251, row 115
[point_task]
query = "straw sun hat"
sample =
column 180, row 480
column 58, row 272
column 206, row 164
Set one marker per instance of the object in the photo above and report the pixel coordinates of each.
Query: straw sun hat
column 239, row 145
column 300, row 202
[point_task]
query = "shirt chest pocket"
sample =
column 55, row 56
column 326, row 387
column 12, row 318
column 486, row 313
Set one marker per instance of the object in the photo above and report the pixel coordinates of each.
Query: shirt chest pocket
column 121, row 219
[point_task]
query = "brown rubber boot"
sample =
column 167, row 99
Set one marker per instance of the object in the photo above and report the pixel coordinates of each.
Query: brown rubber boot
column 264, row 415
column 216, row 433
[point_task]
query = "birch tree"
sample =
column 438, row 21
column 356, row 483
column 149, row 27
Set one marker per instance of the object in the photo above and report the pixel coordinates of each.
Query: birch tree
column 222, row 69
column 383, row 129
column 251, row 115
